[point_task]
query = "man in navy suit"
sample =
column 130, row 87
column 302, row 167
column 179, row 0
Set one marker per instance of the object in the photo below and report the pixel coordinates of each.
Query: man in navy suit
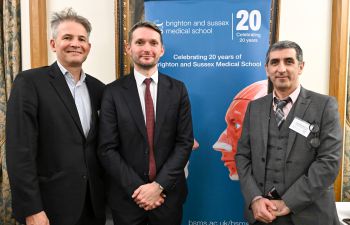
column 289, row 152
column 133, row 134
column 51, row 130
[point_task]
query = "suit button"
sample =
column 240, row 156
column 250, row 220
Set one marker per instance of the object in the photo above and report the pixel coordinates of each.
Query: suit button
column 261, row 184
column 84, row 177
column 263, row 159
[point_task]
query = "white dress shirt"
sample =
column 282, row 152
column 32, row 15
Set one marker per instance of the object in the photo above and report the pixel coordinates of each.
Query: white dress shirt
column 141, row 88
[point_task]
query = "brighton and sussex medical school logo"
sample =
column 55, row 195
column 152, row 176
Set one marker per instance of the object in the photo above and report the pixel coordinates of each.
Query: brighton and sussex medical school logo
column 159, row 24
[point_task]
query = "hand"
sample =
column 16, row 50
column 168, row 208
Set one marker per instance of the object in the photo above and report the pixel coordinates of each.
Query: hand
column 158, row 203
column 262, row 210
column 282, row 208
column 37, row 219
column 148, row 196
column 195, row 145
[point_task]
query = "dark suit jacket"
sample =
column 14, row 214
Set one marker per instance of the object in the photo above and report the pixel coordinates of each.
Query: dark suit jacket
column 123, row 142
column 49, row 160
column 309, row 172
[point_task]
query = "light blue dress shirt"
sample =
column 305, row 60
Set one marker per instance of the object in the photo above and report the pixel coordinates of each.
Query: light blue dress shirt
column 81, row 97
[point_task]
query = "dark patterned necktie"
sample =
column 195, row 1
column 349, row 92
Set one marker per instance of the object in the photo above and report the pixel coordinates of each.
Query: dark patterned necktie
column 150, row 128
column 280, row 104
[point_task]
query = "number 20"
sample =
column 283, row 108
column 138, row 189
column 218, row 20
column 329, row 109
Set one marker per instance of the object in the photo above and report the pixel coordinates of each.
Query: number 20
column 254, row 19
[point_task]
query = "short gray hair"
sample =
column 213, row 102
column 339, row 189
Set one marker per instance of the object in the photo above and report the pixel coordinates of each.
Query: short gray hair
column 284, row 45
column 68, row 15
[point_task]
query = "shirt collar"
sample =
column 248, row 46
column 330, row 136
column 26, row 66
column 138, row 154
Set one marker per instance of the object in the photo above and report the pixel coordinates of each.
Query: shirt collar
column 139, row 77
column 68, row 75
column 294, row 95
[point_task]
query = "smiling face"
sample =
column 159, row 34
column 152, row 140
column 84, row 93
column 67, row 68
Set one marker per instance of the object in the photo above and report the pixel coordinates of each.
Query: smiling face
column 71, row 44
column 145, row 49
column 284, row 69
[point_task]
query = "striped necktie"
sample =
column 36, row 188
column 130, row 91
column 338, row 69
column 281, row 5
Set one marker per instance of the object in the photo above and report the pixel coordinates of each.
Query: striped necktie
column 280, row 104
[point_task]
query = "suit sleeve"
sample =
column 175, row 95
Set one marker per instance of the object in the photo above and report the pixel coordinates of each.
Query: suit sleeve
column 174, row 166
column 243, row 159
column 109, row 143
column 21, row 148
column 324, row 170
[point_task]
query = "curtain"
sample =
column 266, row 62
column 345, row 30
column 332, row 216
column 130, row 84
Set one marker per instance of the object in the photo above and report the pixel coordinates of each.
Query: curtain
column 10, row 65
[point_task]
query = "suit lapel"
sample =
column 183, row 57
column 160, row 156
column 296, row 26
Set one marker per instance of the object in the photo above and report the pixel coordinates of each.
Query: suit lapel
column 93, row 103
column 163, row 95
column 132, row 99
column 60, row 85
column 265, row 115
column 301, row 105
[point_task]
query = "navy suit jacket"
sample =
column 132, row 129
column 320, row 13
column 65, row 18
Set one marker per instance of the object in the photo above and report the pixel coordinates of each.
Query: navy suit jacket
column 123, row 145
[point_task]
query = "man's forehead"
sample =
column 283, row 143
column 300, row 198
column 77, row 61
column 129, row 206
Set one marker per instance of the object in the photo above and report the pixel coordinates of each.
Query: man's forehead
column 67, row 29
column 145, row 38
column 67, row 33
column 285, row 53
column 145, row 33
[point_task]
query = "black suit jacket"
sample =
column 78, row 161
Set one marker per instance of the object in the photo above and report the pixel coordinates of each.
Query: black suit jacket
column 50, row 162
column 123, row 142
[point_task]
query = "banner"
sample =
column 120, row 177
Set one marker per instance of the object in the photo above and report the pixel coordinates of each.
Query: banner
column 217, row 48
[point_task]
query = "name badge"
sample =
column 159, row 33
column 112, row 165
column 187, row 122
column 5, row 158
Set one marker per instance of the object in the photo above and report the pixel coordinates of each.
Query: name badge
column 300, row 126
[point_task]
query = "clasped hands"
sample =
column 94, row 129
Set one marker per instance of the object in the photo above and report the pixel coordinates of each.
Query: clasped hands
column 266, row 210
column 149, row 196
column 39, row 218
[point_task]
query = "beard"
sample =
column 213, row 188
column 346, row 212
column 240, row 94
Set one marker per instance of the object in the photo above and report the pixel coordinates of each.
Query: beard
column 145, row 66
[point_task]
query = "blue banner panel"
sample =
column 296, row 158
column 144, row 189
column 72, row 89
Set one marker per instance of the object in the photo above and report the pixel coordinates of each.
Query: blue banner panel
column 217, row 47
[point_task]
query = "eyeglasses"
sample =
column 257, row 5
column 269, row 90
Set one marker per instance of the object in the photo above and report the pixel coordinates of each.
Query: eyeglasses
column 315, row 131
